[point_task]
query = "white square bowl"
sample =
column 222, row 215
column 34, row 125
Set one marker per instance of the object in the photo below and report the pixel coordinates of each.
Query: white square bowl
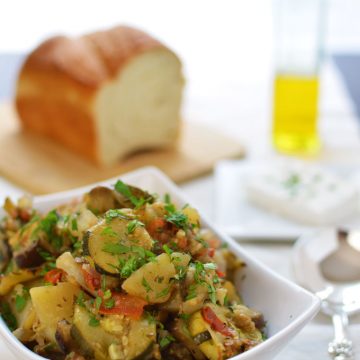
column 287, row 308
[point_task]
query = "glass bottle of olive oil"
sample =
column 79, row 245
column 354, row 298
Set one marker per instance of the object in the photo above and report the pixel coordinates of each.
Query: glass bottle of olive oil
column 295, row 114
column 298, row 48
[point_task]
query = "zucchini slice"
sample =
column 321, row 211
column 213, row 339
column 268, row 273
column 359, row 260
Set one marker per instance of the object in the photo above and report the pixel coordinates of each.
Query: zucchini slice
column 112, row 241
column 126, row 194
column 103, row 342
column 93, row 342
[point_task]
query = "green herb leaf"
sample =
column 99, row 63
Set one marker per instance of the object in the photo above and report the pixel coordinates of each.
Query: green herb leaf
column 167, row 198
column 107, row 294
column 166, row 340
column 124, row 190
column 116, row 248
column 108, row 231
column 115, row 213
column 93, row 321
column 146, row 285
column 191, row 292
column 74, row 225
column 167, row 249
column 179, row 219
column 109, row 304
column 80, row 299
column 98, row 302
column 20, row 302
column 132, row 225
column 163, row 293
column 184, row 316
column 212, row 293
column 8, row 316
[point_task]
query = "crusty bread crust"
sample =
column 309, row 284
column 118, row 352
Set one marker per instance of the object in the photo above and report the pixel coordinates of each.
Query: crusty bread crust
column 59, row 80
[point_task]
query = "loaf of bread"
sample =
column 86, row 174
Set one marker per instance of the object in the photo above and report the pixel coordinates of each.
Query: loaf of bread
column 103, row 95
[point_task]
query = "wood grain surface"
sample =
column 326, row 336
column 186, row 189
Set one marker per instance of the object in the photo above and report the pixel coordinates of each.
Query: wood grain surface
column 41, row 166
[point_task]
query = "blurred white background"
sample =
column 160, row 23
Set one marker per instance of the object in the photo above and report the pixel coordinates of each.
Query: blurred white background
column 224, row 44
column 226, row 47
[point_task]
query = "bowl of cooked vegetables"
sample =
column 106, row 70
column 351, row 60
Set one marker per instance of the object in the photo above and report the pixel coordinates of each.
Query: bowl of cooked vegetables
column 128, row 269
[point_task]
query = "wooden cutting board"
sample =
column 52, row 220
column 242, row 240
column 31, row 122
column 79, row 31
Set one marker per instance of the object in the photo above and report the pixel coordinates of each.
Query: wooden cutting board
column 41, row 166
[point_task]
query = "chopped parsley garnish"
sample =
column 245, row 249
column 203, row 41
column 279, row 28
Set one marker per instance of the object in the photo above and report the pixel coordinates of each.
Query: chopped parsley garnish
column 116, row 248
column 98, row 302
column 212, row 293
column 20, row 301
column 191, row 292
column 124, row 190
column 107, row 294
column 292, row 182
column 115, row 213
column 45, row 255
column 132, row 225
column 181, row 272
column 8, row 316
column 103, row 282
column 93, row 321
column 184, row 316
column 146, row 285
column 199, row 239
column 163, row 293
column 139, row 257
column 166, row 340
column 179, row 219
column 109, row 304
column 167, row 249
column 48, row 226
column 167, row 198
column 128, row 267
column 74, row 225
column 108, row 231
column 80, row 299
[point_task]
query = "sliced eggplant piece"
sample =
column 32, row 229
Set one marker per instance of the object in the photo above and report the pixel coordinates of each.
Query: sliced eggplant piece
column 29, row 257
column 63, row 336
column 180, row 331
column 5, row 253
column 129, row 196
column 100, row 199
column 109, row 242
column 176, row 351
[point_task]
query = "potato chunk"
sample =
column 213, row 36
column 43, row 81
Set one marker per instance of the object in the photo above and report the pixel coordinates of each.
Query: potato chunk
column 52, row 304
column 152, row 281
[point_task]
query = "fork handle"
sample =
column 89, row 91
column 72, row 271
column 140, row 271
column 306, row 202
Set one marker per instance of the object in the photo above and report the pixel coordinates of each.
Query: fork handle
column 341, row 347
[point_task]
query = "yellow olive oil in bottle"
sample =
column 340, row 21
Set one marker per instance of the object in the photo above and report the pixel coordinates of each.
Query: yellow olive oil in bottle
column 298, row 49
column 295, row 114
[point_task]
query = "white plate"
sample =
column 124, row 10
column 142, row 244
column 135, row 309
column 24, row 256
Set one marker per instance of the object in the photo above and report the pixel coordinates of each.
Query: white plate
column 240, row 219
column 261, row 288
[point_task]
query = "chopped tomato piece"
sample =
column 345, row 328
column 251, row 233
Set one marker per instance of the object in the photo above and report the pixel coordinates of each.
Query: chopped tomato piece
column 220, row 273
column 125, row 304
column 182, row 242
column 53, row 276
column 214, row 242
column 211, row 252
column 156, row 226
column 92, row 278
column 216, row 324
